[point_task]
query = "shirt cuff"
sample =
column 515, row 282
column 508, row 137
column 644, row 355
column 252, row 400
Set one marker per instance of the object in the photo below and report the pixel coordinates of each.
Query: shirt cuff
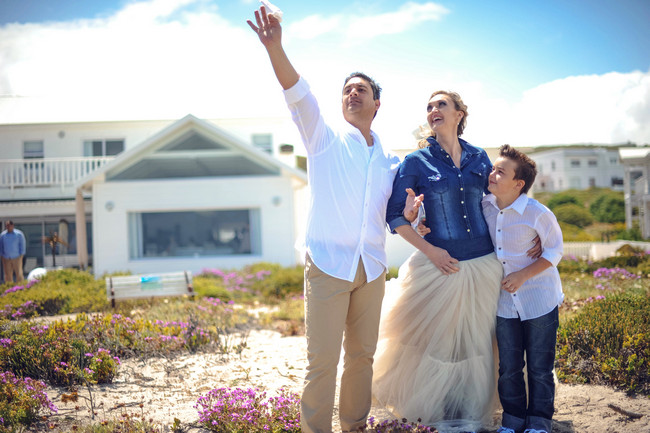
column 296, row 92
column 399, row 221
column 552, row 257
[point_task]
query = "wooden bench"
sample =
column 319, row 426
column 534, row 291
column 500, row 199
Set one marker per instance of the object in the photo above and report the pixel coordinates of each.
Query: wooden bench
column 148, row 286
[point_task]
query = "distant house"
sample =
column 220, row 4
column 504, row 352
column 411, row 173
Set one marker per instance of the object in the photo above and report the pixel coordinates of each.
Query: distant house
column 574, row 167
column 636, row 161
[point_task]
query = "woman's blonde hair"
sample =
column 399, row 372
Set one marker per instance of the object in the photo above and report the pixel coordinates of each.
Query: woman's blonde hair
column 426, row 132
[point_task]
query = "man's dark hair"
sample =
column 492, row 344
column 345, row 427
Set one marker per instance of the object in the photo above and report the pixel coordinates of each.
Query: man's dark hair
column 376, row 89
column 526, row 168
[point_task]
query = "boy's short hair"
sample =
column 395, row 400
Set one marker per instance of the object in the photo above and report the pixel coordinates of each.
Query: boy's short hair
column 526, row 167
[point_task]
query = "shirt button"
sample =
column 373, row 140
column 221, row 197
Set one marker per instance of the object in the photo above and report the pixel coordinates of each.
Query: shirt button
column 461, row 189
column 501, row 212
column 499, row 247
column 499, row 230
column 462, row 202
column 464, row 216
column 458, row 174
column 503, row 263
column 467, row 230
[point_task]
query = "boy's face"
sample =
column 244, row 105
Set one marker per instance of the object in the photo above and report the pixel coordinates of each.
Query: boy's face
column 502, row 182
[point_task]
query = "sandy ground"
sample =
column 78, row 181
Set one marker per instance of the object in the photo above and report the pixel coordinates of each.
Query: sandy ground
column 164, row 389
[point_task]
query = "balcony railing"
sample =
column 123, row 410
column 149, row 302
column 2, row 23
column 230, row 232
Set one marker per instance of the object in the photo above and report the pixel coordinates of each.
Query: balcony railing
column 47, row 172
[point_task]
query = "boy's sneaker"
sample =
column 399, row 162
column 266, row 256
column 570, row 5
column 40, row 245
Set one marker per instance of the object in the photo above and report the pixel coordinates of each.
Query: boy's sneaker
column 532, row 430
column 505, row 430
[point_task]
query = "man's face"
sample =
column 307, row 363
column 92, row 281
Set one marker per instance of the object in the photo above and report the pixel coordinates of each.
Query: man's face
column 10, row 227
column 358, row 102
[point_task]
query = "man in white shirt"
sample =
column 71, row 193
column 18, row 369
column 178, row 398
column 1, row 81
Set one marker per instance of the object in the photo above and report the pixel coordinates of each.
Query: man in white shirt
column 531, row 291
column 351, row 177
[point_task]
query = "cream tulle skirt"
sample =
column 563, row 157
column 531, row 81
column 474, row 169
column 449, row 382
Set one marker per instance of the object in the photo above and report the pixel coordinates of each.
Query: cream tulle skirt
column 435, row 356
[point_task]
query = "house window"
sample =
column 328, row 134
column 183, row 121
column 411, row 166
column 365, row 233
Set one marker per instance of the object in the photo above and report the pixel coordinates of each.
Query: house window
column 592, row 182
column 592, row 163
column 617, row 181
column 552, row 165
column 575, row 182
column 263, row 142
column 33, row 149
column 103, row 147
column 613, row 161
column 575, row 163
column 194, row 233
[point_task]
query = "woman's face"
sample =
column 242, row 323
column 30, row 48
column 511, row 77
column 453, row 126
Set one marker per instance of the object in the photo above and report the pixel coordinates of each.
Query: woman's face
column 442, row 115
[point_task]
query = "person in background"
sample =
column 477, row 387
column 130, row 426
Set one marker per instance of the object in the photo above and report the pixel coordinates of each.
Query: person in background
column 531, row 291
column 350, row 175
column 12, row 251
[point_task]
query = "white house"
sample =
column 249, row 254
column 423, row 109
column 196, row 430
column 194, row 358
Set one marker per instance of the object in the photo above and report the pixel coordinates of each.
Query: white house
column 636, row 161
column 574, row 167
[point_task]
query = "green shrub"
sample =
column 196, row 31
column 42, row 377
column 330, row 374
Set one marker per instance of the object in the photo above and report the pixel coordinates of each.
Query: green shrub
column 58, row 292
column 279, row 281
column 571, row 233
column 608, row 342
column 573, row 214
column 631, row 234
column 608, row 208
column 562, row 198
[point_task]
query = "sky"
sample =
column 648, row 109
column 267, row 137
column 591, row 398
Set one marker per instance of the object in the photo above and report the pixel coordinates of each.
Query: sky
column 531, row 72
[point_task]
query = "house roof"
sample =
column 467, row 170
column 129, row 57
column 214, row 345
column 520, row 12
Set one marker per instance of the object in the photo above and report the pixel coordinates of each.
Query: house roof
column 634, row 155
column 191, row 147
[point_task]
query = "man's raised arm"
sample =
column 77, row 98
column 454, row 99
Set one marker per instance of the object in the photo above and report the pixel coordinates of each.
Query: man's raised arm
column 269, row 31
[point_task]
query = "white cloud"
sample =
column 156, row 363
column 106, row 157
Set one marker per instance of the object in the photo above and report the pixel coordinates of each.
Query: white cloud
column 314, row 26
column 408, row 15
column 608, row 108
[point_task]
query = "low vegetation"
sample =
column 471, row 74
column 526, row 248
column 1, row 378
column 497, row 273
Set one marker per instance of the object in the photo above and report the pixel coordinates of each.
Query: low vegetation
column 604, row 338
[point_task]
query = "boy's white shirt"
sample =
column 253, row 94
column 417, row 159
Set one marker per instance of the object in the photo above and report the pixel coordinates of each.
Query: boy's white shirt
column 512, row 230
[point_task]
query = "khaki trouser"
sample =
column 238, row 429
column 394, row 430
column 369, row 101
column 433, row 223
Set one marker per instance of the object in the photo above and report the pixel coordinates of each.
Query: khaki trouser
column 13, row 267
column 333, row 306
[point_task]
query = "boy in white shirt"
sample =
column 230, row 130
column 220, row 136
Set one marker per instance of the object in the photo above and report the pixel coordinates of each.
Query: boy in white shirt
column 531, row 291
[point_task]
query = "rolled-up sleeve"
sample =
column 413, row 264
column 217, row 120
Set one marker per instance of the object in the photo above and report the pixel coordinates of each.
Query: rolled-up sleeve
column 550, row 234
column 405, row 178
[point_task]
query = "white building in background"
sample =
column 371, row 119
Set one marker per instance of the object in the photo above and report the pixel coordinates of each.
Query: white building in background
column 573, row 167
column 636, row 161
column 153, row 196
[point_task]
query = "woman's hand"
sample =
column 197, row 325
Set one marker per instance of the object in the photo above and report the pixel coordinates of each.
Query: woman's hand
column 442, row 260
column 412, row 205
column 513, row 282
column 535, row 252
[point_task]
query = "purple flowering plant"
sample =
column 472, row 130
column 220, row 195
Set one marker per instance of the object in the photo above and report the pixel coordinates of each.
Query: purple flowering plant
column 249, row 410
column 22, row 401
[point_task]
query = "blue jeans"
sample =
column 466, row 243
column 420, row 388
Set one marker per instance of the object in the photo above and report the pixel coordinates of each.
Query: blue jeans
column 536, row 338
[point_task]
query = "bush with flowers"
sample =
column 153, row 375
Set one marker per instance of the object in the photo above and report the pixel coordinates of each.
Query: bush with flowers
column 248, row 410
column 21, row 401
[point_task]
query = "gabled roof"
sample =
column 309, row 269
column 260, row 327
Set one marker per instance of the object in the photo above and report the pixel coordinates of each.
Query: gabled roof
column 191, row 147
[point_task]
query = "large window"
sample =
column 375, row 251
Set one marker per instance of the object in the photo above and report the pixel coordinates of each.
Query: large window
column 103, row 147
column 194, row 233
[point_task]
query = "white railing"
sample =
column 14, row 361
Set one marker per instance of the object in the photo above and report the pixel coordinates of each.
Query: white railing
column 599, row 250
column 47, row 172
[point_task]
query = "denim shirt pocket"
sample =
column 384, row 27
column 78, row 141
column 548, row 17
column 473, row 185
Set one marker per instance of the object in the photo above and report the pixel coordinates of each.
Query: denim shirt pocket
column 438, row 182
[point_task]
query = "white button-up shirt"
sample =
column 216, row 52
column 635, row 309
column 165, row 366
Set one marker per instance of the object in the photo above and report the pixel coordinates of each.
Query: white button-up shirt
column 350, row 187
column 512, row 231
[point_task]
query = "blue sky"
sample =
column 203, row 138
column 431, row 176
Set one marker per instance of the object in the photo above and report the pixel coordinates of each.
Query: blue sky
column 552, row 72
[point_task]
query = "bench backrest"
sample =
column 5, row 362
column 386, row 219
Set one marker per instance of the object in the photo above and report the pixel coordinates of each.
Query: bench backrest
column 147, row 286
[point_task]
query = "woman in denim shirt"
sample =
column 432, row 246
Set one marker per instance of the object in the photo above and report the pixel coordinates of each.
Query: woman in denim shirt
column 435, row 359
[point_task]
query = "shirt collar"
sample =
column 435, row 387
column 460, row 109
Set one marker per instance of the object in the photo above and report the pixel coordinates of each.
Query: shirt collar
column 519, row 205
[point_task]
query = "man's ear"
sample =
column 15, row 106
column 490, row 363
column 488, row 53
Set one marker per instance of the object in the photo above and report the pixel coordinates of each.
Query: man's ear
column 377, row 104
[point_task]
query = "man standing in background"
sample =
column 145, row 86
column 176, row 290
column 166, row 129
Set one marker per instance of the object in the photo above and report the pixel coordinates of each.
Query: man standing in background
column 12, row 250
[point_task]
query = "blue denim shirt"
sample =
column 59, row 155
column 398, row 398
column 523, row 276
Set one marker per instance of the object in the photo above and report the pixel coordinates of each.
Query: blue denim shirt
column 452, row 198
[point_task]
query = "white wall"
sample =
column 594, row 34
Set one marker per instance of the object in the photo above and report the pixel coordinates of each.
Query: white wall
column 110, row 228
column 66, row 139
